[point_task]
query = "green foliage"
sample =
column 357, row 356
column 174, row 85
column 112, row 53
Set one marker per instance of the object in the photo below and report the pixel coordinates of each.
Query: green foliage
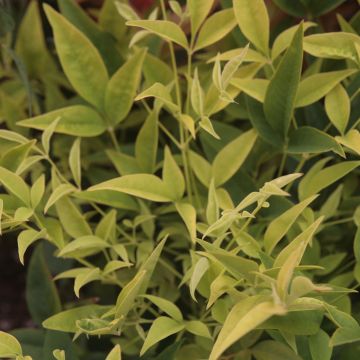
column 184, row 191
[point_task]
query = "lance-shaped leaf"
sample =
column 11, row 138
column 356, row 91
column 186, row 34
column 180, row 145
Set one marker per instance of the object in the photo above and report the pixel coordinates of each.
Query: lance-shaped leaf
column 160, row 329
column 188, row 214
column 166, row 29
column 278, row 228
column 84, row 278
column 77, row 120
column 281, row 92
column 15, row 185
column 350, row 140
column 75, row 162
column 26, row 238
column 229, row 159
column 83, row 246
column 166, row 306
column 316, row 86
column 253, row 20
column 335, row 45
column 244, row 317
column 215, row 28
column 146, row 144
column 79, row 58
column 58, row 193
column 121, row 89
column 115, row 353
column 303, row 238
column 13, row 158
column 325, row 177
column 172, row 176
column 256, row 88
column 146, row 186
column 200, row 268
column 337, row 106
column 199, row 10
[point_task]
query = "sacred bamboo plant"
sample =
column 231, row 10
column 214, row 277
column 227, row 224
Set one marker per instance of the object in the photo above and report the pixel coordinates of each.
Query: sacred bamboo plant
column 188, row 182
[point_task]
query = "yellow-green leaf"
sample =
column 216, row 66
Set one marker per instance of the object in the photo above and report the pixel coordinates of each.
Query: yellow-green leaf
column 253, row 20
column 9, row 346
column 166, row 306
column 27, row 238
column 172, row 176
column 337, row 106
column 215, row 28
column 350, row 140
column 229, row 159
column 79, row 58
column 115, row 353
column 160, row 329
column 188, row 214
column 75, row 162
column 122, row 87
column 15, row 185
column 199, row 10
column 168, row 30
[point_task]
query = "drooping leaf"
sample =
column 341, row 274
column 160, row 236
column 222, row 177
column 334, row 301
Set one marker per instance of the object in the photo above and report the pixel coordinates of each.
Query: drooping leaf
column 27, row 238
column 199, row 271
column 188, row 214
column 15, row 185
column 9, row 345
column 75, row 162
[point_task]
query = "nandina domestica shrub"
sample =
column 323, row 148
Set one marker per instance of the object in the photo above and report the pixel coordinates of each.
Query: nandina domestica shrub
column 184, row 184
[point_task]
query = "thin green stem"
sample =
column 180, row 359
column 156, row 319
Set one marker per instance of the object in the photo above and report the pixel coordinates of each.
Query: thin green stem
column 113, row 138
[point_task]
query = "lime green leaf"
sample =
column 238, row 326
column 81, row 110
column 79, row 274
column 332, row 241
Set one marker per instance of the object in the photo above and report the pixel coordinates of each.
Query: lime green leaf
column 197, row 328
column 105, row 229
column 79, row 58
column 229, row 159
column 199, row 10
column 284, row 39
column 145, row 186
column 350, row 140
column 75, row 162
column 124, row 164
column 121, row 89
column 253, row 20
column 238, row 323
column 146, row 144
column 150, row 263
column 126, row 11
column 16, row 156
column 172, row 176
column 114, row 265
column 278, row 228
column 212, row 208
column 59, row 354
column 189, row 123
column 58, row 193
column 201, row 168
column 323, row 178
column 281, row 92
column 337, row 106
column 197, row 95
column 256, row 88
column 331, row 204
column 66, row 320
column 273, row 350
column 166, row 29
column 115, row 353
column 316, row 86
column 15, row 185
column 77, row 120
column 126, row 299
column 161, row 92
column 166, row 306
column 205, row 123
column 335, row 45
column 200, row 268
column 84, row 278
column 188, row 214
column 37, row 191
column 302, row 239
column 9, row 345
column 48, row 133
column 308, row 139
column 25, row 239
column 160, row 329
column 110, row 198
column 215, row 28
column 13, row 136
column 83, row 246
